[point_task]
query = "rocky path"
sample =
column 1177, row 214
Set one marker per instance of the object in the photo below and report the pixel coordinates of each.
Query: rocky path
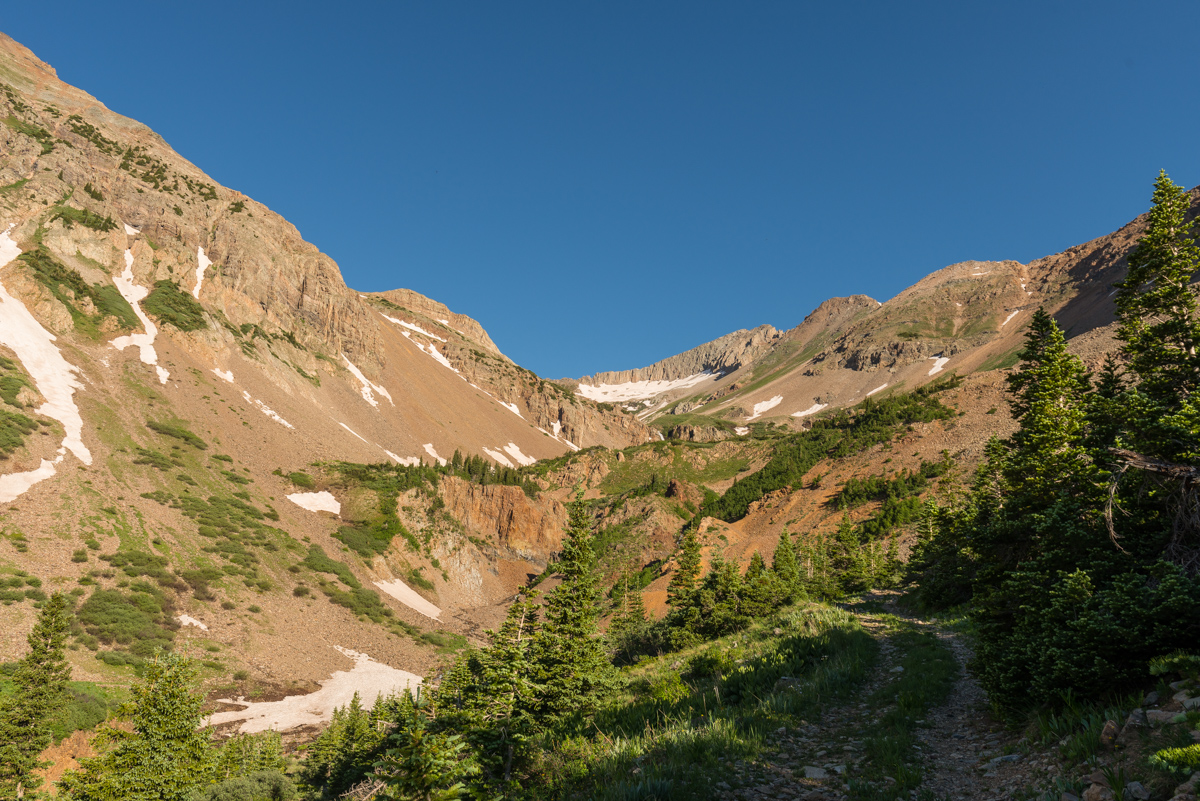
column 962, row 752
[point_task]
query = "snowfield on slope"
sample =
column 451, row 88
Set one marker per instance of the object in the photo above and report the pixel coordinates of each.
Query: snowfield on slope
column 54, row 377
column 134, row 295
column 368, row 678
column 367, row 386
column 316, row 501
column 765, row 406
column 409, row 597
column 816, row 407
column 635, row 390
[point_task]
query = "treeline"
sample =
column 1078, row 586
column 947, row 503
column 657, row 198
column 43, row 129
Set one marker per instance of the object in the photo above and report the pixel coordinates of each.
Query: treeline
column 1078, row 546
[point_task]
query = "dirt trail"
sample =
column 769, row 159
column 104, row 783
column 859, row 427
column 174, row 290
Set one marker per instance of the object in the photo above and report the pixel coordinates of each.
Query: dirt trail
column 963, row 752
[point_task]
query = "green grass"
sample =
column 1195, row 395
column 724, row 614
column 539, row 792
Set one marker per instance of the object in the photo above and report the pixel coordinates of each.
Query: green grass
column 69, row 288
column 682, row 728
column 138, row 621
column 14, row 429
column 177, row 431
column 70, row 216
column 170, row 305
column 930, row 671
column 38, row 134
column 676, row 460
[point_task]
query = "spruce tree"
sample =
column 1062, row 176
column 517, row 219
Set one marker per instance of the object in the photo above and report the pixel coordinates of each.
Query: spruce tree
column 1156, row 302
column 165, row 756
column 570, row 663
column 1047, row 395
column 683, row 583
column 786, row 569
column 40, row 683
column 759, row 588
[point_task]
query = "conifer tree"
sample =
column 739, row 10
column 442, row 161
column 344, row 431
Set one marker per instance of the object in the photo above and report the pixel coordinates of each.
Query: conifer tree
column 759, row 588
column 786, row 569
column 570, row 663
column 1156, row 302
column 40, row 685
column 683, row 583
column 1047, row 395
column 165, row 756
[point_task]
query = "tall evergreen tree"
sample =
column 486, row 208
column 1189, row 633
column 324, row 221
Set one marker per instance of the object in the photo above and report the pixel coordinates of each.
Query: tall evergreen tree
column 40, row 686
column 785, row 567
column 569, row 658
column 1047, row 393
column 165, row 756
column 683, row 583
column 1156, row 302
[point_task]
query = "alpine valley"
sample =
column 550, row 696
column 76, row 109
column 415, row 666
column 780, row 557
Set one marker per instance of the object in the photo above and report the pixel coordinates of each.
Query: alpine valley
column 217, row 448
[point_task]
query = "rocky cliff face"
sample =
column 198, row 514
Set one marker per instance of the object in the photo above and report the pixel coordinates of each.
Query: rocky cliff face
column 525, row 528
column 719, row 356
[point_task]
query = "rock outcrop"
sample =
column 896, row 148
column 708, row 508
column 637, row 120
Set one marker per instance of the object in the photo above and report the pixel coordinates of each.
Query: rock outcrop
column 719, row 356
column 507, row 517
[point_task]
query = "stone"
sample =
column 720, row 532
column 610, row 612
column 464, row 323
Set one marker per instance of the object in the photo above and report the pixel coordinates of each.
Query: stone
column 897, row 669
column 1006, row 758
column 1137, row 792
column 1189, row 701
column 1108, row 735
column 1097, row 792
column 1068, row 797
column 1151, row 699
column 839, row 769
column 1159, row 717
column 813, row 772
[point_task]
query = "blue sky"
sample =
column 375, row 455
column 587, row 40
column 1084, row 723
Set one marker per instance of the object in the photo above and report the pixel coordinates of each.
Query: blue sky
column 603, row 185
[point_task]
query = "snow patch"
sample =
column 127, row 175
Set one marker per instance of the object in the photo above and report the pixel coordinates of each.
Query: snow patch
column 571, row 445
column 556, row 427
column 368, row 678
column 130, row 230
column 512, row 450
column 224, row 374
column 367, row 386
column 741, row 431
column 134, row 295
column 765, row 406
column 188, row 620
column 635, row 390
column 410, row 461
column 444, row 322
column 55, row 378
column 429, row 449
column 412, row 327
column 352, row 431
column 203, row 263
column 938, row 363
column 1009, row 317
column 816, row 407
column 14, row 485
column 262, row 407
column 409, row 597
column 498, row 456
column 512, row 407
column 879, row 388
column 316, row 502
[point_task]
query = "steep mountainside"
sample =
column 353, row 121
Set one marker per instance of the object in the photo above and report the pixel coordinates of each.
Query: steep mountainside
column 175, row 358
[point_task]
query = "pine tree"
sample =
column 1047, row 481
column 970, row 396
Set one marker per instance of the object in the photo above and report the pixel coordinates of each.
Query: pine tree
column 40, row 684
column 1047, row 395
column 165, row 756
column 569, row 657
column 683, row 583
column 786, row 569
column 1156, row 302
column 760, row 589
